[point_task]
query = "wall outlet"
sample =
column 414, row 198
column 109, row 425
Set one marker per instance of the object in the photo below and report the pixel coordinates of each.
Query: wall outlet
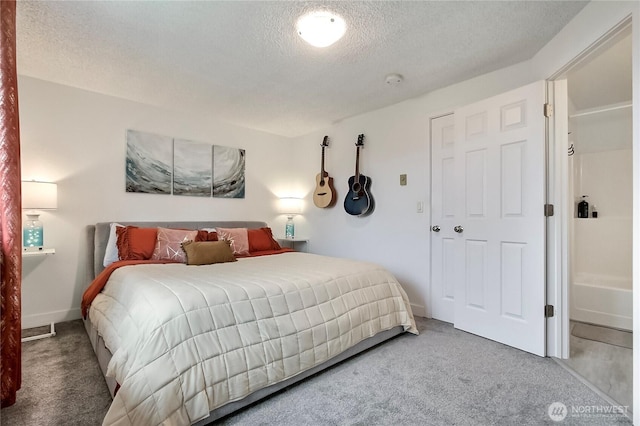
column 403, row 180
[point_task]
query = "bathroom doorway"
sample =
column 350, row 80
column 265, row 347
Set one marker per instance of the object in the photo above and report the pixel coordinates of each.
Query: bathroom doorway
column 599, row 227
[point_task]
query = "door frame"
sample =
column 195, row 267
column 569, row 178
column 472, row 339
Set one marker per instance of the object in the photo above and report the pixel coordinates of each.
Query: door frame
column 559, row 225
column 558, row 231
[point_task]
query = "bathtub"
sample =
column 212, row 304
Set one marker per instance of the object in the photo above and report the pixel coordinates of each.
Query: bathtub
column 602, row 300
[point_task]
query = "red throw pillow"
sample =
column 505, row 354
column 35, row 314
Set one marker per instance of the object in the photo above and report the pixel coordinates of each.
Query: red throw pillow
column 204, row 235
column 136, row 243
column 261, row 239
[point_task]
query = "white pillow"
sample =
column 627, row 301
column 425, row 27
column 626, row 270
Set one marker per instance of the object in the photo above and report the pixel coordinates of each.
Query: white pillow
column 111, row 252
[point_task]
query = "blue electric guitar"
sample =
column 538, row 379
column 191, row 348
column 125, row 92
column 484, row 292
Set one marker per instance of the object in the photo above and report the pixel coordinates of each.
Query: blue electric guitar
column 358, row 201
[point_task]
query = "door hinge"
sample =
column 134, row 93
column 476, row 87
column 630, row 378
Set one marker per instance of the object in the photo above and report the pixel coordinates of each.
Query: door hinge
column 548, row 210
column 548, row 311
column 548, row 110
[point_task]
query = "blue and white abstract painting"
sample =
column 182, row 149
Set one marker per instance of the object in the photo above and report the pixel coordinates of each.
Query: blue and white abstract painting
column 228, row 172
column 191, row 168
column 148, row 164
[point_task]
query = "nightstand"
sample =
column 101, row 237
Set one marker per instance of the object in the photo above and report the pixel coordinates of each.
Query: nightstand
column 41, row 252
column 291, row 242
column 37, row 253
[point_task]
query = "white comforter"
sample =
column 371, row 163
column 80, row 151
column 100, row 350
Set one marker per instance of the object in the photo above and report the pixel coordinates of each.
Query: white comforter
column 188, row 339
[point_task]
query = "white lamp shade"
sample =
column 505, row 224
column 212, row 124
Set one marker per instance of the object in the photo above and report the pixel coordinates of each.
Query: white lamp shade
column 39, row 195
column 321, row 29
column 290, row 205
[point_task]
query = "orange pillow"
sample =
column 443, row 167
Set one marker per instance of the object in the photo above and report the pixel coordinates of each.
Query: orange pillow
column 204, row 235
column 135, row 243
column 261, row 239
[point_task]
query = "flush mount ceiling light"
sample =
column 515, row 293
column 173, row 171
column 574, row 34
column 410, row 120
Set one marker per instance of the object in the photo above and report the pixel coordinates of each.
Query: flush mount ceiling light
column 321, row 28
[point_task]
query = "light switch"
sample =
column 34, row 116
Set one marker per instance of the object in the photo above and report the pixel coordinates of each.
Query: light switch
column 403, row 180
column 420, row 208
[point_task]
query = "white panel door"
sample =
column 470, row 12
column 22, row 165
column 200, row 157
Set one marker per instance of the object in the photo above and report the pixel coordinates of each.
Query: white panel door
column 499, row 164
column 443, row 216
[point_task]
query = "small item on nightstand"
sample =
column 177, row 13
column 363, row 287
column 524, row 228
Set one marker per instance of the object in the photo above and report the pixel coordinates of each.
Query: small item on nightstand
column 36, row 196
column 32, row 232
column 290, row 206
column 583, row 207
column 594, row 212
column 289, row 229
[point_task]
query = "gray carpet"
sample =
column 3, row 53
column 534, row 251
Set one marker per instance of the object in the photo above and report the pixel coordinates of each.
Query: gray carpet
column 61, row 381
column 603, row 334
column 442, row 377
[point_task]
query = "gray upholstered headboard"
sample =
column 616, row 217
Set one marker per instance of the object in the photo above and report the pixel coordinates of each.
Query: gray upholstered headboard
column 100, row 232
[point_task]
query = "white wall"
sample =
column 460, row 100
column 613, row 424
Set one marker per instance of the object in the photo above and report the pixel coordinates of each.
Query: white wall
column 396, row 141
column 77, row 139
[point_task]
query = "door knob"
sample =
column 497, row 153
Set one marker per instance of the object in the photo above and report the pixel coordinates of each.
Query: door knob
column 435, row 228
column 458, row 229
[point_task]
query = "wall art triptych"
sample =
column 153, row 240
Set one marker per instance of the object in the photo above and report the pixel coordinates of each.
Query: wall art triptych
column 164, row 165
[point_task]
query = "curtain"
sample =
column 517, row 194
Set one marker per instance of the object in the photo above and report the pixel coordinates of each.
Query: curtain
column 10, row 213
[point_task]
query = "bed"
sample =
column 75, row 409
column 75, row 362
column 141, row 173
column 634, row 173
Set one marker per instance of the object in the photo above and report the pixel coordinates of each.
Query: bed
column 181, row 344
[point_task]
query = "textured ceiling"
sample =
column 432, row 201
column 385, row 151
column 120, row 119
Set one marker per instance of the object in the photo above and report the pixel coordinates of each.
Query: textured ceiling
column 242, row 61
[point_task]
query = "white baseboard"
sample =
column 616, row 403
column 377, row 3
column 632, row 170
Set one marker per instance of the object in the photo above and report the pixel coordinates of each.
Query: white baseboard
column 38, row 320
column 603, row 318
column 419, row 310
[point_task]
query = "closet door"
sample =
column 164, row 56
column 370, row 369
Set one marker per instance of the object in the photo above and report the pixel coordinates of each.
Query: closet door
column 499, row 238
column 443, row 218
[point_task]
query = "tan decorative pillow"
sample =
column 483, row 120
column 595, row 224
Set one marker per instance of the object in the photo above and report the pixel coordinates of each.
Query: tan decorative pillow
column 168, row 244
column 208, row 252
column 238, row 237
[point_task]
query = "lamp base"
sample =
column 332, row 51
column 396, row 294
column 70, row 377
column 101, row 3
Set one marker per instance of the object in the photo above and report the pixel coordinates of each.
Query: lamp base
column 32, row 234
column 289, row 228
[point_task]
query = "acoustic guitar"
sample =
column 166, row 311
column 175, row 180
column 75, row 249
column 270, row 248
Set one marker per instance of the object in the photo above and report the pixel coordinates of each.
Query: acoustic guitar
column 324, row 195
column 359, row 201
